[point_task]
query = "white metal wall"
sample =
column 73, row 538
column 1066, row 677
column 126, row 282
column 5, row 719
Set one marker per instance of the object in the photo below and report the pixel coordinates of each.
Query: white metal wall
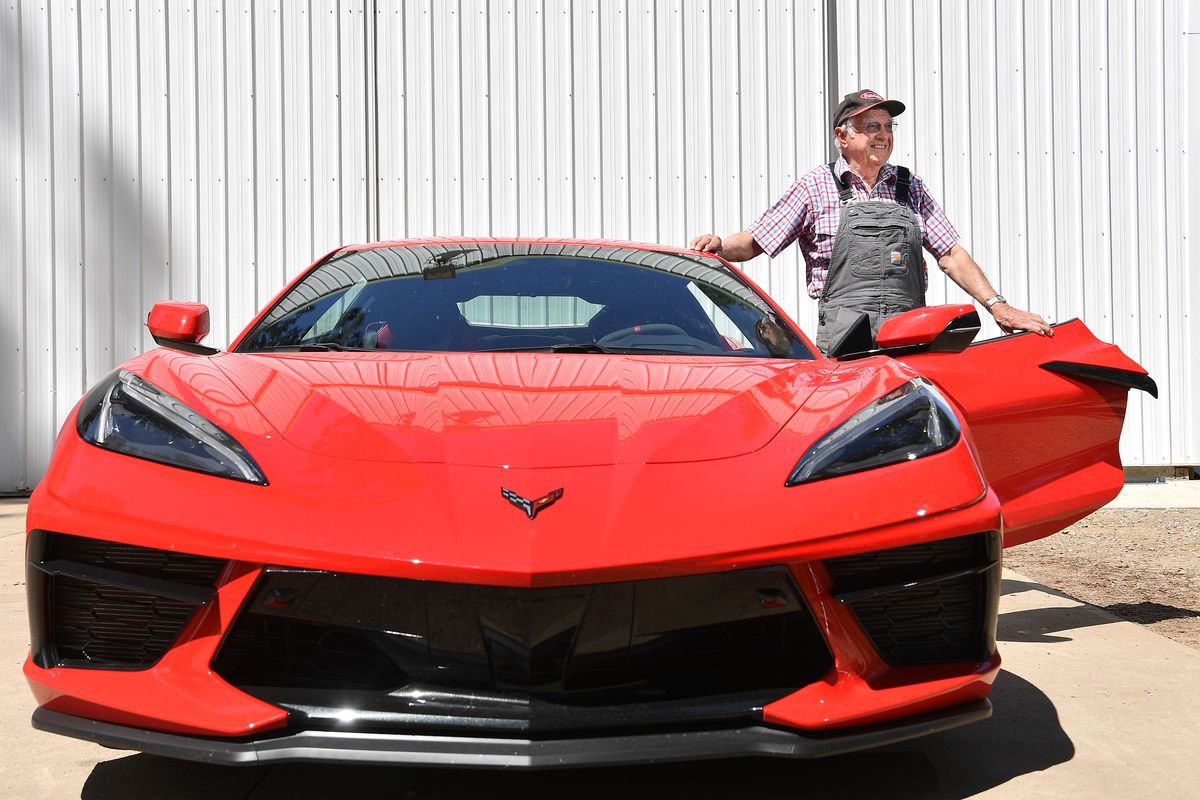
column 211, row 150
column 1058, row 135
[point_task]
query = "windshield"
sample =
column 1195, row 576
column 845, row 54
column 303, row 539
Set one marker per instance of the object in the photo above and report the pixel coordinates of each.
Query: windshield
column 497, row 298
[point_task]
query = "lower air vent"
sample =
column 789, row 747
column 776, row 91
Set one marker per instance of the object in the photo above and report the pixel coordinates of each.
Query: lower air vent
column 410, row 655
column 94, row 603
column 931, row 603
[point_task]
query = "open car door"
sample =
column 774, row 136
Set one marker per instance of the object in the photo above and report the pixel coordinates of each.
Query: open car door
column 1046, row 416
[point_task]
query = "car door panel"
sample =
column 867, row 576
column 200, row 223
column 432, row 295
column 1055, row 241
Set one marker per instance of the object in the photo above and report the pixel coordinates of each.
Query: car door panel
column 1045, row 415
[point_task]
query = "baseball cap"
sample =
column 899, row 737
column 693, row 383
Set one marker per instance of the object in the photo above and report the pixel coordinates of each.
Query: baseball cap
column 864, row 100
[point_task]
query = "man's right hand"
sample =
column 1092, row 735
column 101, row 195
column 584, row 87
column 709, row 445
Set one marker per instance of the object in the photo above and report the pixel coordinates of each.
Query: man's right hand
column 707, row 243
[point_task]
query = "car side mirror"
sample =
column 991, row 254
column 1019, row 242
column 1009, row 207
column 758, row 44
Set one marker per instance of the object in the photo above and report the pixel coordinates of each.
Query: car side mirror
column 933, row 329
column 180, row 326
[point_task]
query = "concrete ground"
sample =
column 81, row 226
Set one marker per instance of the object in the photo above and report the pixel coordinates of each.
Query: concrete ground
column 1087, row 705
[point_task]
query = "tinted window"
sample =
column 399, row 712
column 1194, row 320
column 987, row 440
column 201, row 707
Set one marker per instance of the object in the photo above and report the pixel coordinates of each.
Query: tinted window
column 516, row 297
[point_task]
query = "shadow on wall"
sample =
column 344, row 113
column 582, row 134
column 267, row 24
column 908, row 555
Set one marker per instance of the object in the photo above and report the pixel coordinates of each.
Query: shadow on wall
column 13, row 464
column 1023, row 736
column 87, row 307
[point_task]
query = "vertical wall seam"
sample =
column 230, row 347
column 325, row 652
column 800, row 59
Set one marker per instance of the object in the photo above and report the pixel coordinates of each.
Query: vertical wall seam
column 545, row 131
column 572, row 170
column 1024, row 62
column 657, row 128
column 169, row 136
column 339, row 118
column 737, row 128
column 23, row 280
column 599, row 45
column 371, row 79
column 196, row 149
column 516, row 68
column 489, row 171
column 712, row 128
column 970, row 117
column 683, row 141
column 628, row 133
column 1112, row 310
column 141, row 178
column 404, row 115
column 283, row 155
column 998, row 220
column 462, row 174
column 312, row 173
column 256, row 177
column 1165, row 232
column 112, row 215
column 433, row 139
column 1079, row 101
column 941, row 68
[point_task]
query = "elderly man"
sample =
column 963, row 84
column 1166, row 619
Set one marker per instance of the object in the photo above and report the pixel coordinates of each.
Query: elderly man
column 861, row 223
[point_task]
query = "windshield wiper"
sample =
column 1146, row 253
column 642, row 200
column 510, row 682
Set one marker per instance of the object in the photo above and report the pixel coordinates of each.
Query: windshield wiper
column 565, row 347
column 315, row 347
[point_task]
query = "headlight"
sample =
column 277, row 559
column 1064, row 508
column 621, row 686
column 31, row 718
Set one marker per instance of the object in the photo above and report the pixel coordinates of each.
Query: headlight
column 909, row 422
column 129, row 415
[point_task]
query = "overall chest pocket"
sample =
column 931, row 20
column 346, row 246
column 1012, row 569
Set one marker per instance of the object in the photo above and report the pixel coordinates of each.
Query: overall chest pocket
column 879, row 250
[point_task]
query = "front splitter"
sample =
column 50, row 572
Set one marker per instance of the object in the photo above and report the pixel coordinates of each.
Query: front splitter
column 463, row 751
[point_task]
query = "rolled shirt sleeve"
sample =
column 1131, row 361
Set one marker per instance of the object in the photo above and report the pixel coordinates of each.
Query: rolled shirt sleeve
column 782, row 223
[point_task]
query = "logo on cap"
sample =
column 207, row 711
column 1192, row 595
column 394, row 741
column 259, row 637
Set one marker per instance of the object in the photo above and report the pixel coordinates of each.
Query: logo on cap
column 868, row 95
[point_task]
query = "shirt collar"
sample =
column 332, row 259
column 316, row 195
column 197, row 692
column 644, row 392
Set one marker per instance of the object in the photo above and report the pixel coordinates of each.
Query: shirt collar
column 887, row 172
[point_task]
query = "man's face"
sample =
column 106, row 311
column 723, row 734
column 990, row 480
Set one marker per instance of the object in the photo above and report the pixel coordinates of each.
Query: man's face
column 860, row 147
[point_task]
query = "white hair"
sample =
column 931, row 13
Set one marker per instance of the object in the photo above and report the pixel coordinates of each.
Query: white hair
column 847, row 125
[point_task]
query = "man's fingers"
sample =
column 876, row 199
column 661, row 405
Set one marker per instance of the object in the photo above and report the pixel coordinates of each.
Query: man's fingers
column 708, row 243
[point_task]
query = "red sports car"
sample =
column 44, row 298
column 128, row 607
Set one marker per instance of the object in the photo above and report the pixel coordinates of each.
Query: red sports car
column 536, row 503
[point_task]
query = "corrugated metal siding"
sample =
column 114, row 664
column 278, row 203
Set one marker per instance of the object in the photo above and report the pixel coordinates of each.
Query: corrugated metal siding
column 211, row 150
column 1056, row 136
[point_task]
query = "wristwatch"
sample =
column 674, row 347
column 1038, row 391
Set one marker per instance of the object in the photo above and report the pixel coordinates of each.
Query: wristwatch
column 987, row 304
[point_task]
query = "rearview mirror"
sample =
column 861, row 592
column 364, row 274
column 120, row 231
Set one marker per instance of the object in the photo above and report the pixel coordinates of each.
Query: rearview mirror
column 180, row 326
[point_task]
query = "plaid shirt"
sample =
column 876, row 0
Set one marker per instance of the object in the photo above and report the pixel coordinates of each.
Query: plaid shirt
column 811, row 210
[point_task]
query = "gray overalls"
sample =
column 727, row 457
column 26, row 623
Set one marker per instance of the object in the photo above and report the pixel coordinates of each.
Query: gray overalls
column 877, row 266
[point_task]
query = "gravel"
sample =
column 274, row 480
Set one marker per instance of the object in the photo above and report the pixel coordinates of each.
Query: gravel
column 1139, row 564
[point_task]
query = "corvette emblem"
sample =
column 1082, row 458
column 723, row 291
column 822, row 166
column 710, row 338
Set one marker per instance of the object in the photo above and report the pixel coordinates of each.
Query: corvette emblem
column 531, row 507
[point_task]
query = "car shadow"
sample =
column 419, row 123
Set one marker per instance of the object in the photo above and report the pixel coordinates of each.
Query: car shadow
column 1023, row 736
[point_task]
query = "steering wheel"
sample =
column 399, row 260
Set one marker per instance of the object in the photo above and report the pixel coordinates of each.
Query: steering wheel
column 649, row 329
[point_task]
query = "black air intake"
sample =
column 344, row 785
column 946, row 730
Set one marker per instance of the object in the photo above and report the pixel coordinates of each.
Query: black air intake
column 357, row 652
column 931, row 603
column 101, row 604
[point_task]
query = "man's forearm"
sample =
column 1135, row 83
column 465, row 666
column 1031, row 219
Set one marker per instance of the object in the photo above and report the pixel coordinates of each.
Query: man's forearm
column 962, row 269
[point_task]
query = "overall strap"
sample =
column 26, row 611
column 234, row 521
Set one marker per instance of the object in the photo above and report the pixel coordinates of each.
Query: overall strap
column 903, row 184
column 844, row 191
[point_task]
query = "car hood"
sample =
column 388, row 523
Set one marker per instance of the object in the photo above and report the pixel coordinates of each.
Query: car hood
column 524, row 410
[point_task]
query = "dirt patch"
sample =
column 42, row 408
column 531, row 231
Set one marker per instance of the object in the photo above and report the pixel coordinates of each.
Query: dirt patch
column 1140, row 564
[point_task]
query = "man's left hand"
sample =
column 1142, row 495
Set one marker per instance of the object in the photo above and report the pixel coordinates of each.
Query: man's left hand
column 1012, row 320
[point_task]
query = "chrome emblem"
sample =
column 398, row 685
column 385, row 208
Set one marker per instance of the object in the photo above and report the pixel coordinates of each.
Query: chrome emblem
column 531, row 507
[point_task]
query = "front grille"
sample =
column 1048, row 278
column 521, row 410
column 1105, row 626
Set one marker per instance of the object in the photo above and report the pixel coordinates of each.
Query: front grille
column 101, row 604
column 930, row 603
column 408, row 655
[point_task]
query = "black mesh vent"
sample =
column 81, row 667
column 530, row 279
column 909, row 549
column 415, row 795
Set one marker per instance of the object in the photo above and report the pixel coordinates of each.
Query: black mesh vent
column 110, row 625
column 512, row 661
column 145, row 561
column 930, row 603
column 95, row 603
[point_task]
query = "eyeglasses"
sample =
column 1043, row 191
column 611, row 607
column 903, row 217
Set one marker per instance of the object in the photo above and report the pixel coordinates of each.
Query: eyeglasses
column 874, row 127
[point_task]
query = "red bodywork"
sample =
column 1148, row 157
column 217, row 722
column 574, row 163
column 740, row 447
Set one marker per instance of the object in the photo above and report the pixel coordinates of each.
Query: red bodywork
column 388, row 464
